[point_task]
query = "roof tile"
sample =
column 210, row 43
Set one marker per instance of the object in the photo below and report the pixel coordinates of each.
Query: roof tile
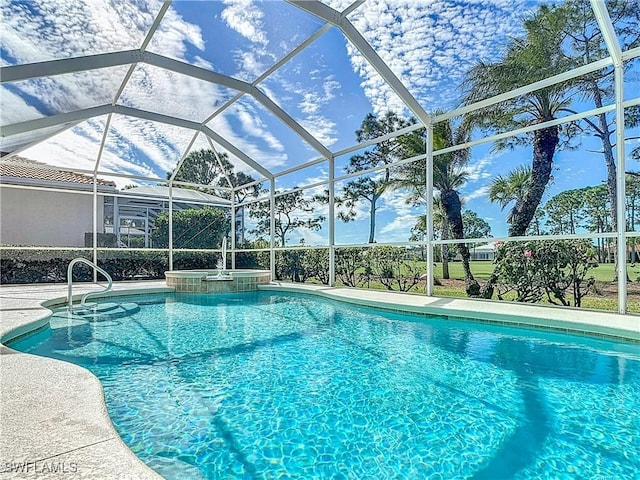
column 23, row 169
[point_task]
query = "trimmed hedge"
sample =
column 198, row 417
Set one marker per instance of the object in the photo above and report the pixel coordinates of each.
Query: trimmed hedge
column 50, row 266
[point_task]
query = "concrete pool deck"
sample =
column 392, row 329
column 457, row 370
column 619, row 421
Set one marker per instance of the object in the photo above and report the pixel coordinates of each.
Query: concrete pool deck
column 53, row 420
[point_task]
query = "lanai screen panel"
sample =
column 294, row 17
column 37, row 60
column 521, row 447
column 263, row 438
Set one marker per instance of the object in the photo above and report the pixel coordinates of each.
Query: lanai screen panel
column 628, row 27
column 430, row 44
column 173, row 94
column 237, row 39
column 143, row 147
column 249, row 126
column 632, row 82
column 46, row 96
column 320, row 90
column 74, row 148
column 22, row 140
column 41, row 30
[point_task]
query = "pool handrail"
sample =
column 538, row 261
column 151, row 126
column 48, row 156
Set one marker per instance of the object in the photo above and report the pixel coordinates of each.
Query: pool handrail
column 70, row 281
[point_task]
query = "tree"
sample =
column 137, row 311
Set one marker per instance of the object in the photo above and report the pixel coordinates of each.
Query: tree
column 564, row 212
column 597, row 217
column 585, row 45
column 528, row 59
column 203, row 168
column 192, row 228
column 632, row 201
column 441, row 228
column 449, row 175
column 510, row 188
column 371, row 187
column 474, row 226
column 292, row 210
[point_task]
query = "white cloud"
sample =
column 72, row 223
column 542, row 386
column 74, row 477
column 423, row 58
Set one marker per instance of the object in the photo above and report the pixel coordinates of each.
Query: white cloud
column 314, row 92
column 68, row 28
column 313, row 238
column 429, row 44
column 252, row 136
column 396, row 200
column 481, row 192
column 245, row 18
column 399, row 229
column 478, row 170
column 15, row 109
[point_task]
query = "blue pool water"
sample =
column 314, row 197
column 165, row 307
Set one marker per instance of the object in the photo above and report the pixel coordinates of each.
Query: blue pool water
column 265, row 386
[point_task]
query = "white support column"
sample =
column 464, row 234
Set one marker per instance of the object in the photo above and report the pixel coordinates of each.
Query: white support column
column 233, row 229
column 146, row 229
column 272, row 228
column 429, row 179
column 332, row 223
column 116, row 219
column 95, row 226
column 105, row 133
column 621, row 191
column 170, row 225
column 610, row 38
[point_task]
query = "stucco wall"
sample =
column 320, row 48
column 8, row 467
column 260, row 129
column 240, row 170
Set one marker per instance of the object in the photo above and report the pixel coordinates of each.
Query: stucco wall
column 42, row 218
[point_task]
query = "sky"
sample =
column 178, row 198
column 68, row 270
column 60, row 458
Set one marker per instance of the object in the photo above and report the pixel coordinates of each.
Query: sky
column 328, row 88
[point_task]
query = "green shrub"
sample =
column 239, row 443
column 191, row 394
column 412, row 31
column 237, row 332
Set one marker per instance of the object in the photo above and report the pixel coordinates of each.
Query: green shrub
column 395, row 267
column 556, row 269
column 50, row 266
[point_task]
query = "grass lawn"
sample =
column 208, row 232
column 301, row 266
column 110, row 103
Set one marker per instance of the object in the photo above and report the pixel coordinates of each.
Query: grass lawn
column 482, row 270
column 603, row 273
column 605, row 297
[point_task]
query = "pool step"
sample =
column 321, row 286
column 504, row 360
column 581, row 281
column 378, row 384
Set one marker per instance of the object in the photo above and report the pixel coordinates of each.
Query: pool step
column 90, row 308
column 103, row 311
column 172, row 467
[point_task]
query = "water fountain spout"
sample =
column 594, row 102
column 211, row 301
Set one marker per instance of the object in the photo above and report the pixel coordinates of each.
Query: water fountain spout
column 222, row 262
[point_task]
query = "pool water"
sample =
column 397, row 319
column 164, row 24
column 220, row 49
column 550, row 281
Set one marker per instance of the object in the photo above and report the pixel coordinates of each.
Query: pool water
column 264, row 386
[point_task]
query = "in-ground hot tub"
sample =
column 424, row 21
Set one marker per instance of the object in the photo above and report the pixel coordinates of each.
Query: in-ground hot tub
column 213, row 281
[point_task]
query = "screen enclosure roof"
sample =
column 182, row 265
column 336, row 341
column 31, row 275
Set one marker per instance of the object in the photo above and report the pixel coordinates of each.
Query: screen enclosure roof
column 127, row 89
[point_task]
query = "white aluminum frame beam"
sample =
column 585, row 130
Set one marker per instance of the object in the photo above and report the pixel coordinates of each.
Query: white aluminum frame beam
column 55, row 120
column 87, row 113
column 182, row 159
column 608, row 32
column 219, row 161
column 50, row 68
column 238, row 153
column 340, row 20
column 58, row 67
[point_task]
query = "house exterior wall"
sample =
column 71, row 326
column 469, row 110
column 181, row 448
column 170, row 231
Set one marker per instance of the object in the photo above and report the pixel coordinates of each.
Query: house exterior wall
column 46, row 218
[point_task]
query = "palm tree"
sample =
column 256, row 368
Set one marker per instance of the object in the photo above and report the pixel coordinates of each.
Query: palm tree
column 449, row 175
column 419, row 232
column 532, row 58
column 510, row 188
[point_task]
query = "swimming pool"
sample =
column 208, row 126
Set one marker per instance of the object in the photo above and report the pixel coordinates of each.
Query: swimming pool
column 262, row 385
